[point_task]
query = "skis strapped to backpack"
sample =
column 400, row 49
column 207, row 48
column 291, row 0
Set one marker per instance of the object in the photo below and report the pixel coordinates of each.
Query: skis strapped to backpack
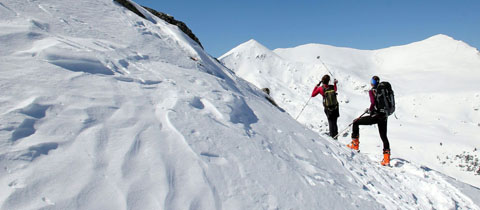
column 384, row 98
column 330, row 98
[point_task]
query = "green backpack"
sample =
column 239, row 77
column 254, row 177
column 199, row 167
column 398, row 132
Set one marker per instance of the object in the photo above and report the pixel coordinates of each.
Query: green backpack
column 330, row 98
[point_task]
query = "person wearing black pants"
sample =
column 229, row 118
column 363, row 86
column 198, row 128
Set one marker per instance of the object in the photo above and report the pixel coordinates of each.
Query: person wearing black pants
column 332, row 112
column 332, row 117
column 375, row 117
column 378, row 119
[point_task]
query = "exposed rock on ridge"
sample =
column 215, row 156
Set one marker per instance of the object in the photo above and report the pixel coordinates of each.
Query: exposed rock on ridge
column 163, row 16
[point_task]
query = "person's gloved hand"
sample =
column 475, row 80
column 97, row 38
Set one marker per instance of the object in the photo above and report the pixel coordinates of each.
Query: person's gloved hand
column 335, row 81
column 319, row 83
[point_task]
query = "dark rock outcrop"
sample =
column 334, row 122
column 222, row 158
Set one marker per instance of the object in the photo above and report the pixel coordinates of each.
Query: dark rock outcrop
column 130, row 7
column 179, row 24
column 167, row 18
column 270, row 99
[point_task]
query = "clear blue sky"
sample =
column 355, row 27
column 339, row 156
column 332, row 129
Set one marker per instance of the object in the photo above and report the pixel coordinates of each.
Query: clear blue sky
column 361, row 24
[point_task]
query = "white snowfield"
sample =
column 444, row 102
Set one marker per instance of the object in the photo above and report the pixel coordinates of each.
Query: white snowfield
column 101, row 109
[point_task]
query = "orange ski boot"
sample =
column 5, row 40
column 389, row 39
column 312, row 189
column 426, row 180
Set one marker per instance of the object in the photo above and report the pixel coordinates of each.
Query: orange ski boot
column 355, row 144
column 386, row 158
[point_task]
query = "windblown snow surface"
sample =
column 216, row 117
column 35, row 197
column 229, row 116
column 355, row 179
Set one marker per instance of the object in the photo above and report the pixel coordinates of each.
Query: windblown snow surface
column 101, row 109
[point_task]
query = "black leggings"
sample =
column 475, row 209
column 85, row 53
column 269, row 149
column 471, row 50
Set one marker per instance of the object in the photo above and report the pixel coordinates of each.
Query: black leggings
column 332, row 125
column 332, row 117
column 370, row 120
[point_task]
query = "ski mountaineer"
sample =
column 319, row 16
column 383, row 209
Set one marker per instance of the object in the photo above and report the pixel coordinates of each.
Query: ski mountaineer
column 330, row 102
column 375, row 117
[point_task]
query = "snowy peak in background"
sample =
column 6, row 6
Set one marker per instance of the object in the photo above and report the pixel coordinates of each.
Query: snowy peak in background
column 440, row 37
column 437, row 51
column 442, row 44
column 441, row 40
column 252, row 52
column 252, row 44
column 250, row 48
column 438, row 45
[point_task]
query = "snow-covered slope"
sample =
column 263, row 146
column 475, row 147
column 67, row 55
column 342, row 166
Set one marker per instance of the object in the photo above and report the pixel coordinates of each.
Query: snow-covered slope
column 436, row 87
column 101, row 109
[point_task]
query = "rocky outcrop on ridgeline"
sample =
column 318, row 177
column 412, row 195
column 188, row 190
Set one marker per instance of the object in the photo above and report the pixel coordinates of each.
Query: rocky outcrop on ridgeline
column 167, row 18
column 129, row 6
column 179, row 24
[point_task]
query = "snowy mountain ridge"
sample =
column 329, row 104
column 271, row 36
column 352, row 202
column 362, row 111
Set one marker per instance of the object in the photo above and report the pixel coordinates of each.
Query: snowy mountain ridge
column 102, row 109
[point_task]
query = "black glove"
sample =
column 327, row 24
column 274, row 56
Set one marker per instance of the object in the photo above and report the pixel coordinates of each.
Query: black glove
column 319, row 83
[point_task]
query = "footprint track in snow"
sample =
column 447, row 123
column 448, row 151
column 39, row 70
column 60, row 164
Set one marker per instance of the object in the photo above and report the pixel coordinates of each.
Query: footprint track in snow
column 428, row 188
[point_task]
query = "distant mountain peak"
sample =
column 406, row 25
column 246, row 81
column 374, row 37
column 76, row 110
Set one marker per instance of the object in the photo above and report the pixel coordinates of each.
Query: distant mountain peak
column 441, row 37
column 252, row 43
column 250, row 47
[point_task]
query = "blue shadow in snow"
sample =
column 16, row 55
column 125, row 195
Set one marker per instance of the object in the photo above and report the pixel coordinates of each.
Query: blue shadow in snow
column 37, row 150
column 241, row 113
column 25, row 129
column 35, row 110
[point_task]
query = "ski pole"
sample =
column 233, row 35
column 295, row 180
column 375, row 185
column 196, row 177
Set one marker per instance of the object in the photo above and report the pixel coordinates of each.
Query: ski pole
column 303, row 108
column 325, row 65
column 350, row 125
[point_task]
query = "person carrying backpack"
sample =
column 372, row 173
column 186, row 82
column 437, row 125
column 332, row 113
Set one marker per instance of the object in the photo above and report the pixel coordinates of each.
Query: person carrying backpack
column 330, row 103
column 382, row 105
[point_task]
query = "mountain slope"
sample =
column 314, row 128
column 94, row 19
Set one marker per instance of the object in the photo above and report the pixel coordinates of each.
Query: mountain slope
column 435, row 83
column 102, row 109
